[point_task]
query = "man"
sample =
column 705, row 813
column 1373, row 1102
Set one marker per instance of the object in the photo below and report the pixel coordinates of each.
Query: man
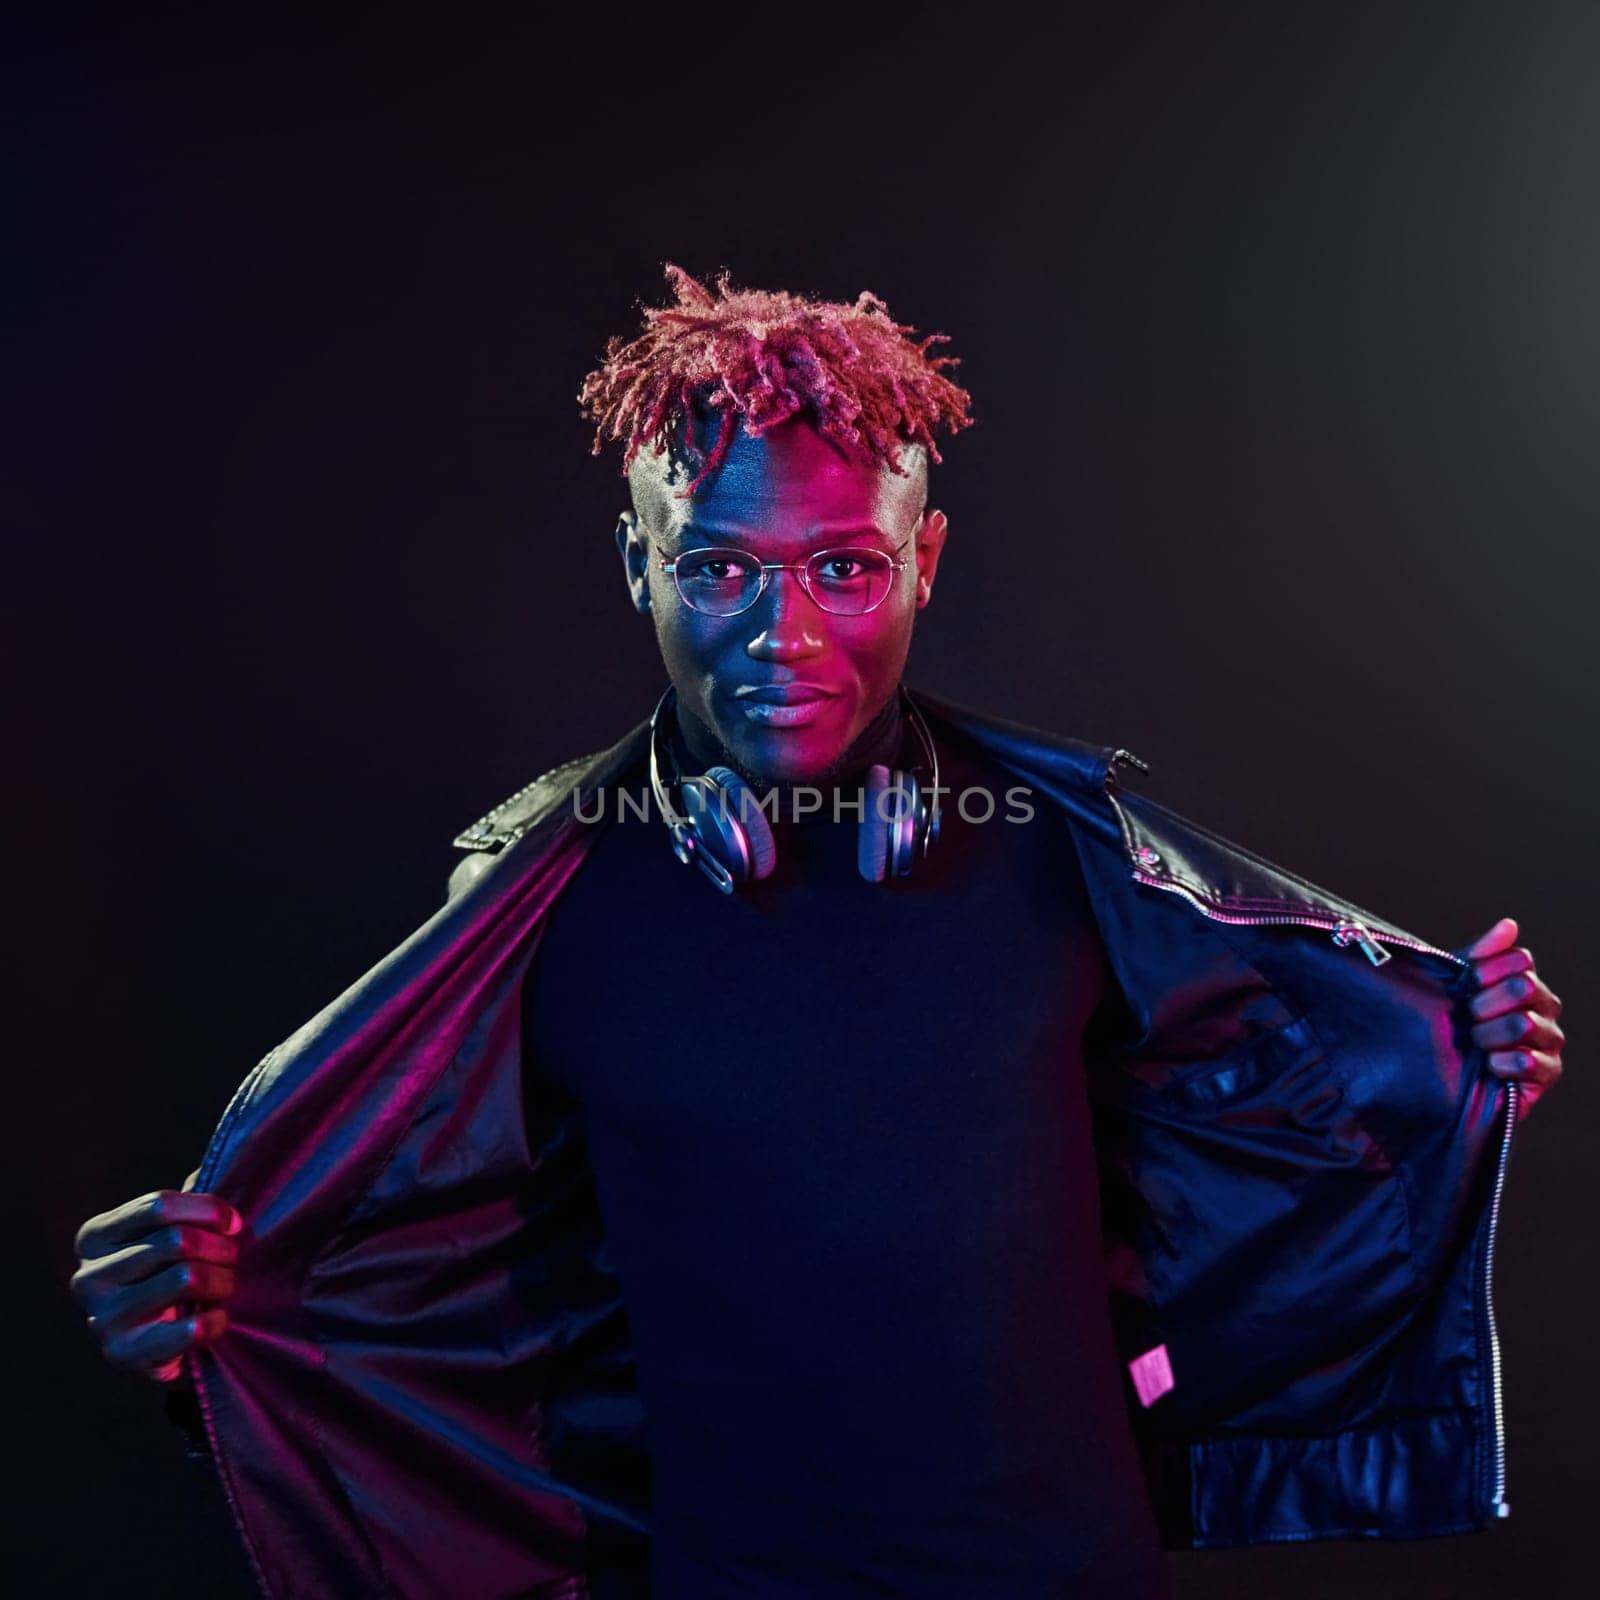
column 965, row 1176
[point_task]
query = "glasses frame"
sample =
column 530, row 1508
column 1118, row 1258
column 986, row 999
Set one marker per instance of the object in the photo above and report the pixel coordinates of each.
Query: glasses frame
column 897, row 561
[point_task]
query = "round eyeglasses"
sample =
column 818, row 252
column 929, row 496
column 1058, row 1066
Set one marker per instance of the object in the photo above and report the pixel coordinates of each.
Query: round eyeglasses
column 722, row 582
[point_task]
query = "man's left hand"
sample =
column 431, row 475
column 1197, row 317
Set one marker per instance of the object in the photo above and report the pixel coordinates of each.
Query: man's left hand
column 1516, row 1013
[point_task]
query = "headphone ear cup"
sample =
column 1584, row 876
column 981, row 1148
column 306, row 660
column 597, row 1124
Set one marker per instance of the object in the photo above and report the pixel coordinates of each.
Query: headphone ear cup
column 744, row 813
column 872, row 836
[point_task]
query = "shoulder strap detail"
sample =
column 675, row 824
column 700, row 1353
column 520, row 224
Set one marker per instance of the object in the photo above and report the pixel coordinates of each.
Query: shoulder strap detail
column 508, row 821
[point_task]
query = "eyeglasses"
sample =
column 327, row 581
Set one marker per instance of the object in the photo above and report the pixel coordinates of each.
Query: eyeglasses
column 848, row 581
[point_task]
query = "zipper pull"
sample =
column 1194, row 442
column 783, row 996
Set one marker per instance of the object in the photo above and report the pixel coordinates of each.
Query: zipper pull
column 1346, row 932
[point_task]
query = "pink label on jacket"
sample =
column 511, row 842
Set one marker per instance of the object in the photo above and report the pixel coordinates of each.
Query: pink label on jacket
column 1152, row 1375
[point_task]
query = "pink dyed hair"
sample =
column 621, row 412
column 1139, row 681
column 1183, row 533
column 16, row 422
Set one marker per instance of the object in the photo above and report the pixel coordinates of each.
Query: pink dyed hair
column 765, row 355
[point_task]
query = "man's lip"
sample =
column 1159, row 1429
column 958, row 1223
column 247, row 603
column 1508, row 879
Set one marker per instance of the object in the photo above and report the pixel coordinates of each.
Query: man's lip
column 782, row 694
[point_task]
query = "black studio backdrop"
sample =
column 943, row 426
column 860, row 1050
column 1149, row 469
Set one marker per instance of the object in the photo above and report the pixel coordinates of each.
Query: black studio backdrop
column 1281, row 329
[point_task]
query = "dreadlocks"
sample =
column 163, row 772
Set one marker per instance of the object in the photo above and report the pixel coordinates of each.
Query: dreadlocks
column 765, row 355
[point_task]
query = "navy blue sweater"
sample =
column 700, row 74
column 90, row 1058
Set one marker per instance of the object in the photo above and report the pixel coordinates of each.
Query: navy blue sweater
column 841, row 1145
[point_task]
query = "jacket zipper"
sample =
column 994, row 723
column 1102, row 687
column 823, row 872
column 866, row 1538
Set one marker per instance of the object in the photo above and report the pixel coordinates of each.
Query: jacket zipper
column 1502, row 1507
column 1347, row 932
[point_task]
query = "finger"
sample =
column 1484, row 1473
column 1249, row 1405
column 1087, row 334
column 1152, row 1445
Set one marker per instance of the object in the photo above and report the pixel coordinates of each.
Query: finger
column 111, row 1229
column 100, row 1274
column 1524, row 991
column 200, row 1281
column 1498, row 938
column 1499, row 966
column 172, row 1368
column 152, row 1343
column 1541, row 1067
column 1525, row 1030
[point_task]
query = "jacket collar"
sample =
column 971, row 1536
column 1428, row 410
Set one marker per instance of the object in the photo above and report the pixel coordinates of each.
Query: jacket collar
column 1158, row 847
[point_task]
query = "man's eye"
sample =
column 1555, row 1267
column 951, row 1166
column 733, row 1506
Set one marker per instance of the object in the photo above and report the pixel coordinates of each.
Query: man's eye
column 841, row 567
column 715, row 567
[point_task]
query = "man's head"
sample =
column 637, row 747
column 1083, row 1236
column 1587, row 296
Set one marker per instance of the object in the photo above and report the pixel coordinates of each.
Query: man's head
column 782, row 428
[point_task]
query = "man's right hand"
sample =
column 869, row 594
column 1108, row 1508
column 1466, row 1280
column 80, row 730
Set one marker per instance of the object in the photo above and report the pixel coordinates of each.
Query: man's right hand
column 151, row 1275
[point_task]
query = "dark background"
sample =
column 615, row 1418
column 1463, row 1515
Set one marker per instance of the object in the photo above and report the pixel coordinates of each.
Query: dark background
column 1281, row 328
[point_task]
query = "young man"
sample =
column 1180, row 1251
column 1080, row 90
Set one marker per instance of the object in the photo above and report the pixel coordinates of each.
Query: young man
column 965, row 1176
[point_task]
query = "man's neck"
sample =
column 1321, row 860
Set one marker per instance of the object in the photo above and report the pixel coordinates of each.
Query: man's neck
column 698, row 748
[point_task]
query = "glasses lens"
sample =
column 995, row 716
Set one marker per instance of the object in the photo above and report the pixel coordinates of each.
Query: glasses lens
column 718, row 582
column 849, row 581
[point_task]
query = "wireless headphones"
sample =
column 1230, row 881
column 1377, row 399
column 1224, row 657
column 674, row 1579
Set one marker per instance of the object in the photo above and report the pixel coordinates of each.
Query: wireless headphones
column 722, row 829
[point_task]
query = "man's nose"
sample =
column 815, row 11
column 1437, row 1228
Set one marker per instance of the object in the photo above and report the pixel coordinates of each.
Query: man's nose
column 791, row 621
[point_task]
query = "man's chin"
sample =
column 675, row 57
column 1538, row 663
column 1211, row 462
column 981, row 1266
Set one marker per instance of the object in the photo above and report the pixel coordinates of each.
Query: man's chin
column 786, row 756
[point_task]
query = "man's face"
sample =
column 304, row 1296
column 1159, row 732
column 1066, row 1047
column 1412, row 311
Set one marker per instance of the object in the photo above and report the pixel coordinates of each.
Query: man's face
column 782, row 496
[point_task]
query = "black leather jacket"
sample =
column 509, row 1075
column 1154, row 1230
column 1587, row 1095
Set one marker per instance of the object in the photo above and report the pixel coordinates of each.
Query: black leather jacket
column 427, row 1387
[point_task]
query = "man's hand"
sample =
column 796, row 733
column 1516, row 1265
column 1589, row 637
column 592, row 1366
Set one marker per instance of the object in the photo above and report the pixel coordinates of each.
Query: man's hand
column 1516, row 1013
column 138, row 1266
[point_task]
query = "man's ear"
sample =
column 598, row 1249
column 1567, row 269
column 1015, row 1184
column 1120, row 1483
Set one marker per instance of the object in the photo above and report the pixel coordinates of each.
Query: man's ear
column 634, row 548
column 933, row 527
